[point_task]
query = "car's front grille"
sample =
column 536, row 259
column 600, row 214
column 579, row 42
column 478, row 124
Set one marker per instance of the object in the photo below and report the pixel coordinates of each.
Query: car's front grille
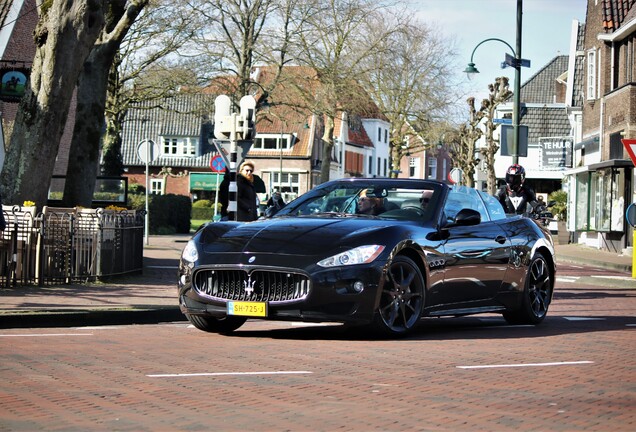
column 257, row 285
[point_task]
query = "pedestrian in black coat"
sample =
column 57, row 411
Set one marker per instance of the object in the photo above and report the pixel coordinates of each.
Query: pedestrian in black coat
column 245, row 195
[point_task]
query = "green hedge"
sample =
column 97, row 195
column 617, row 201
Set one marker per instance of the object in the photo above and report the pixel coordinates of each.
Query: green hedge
column 202, row 203
column 201, row 213
column 168, row 214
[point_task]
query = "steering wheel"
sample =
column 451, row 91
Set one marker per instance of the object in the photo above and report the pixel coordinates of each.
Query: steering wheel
column 416, row 209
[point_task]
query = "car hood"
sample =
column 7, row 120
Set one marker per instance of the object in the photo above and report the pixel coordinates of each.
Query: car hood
column 293, row 236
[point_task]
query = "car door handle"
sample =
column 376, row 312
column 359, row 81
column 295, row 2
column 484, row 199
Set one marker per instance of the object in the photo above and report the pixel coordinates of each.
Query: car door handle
column 500, row 239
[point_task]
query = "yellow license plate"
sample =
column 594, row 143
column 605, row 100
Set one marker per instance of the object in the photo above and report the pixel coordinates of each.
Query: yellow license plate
column 241, row 308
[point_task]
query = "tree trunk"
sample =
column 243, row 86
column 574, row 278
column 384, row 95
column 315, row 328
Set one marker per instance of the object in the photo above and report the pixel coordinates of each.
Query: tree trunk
column 61, row 49
column 113, row 164
column 327, row 148
column 83, row 161
column 84, row 152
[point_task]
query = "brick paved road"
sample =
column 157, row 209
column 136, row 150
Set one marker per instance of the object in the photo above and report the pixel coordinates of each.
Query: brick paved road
column 576, row 373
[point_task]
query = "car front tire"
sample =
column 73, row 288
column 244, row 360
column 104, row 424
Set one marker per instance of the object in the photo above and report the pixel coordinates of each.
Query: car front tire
column 216, row 325
column 537, row 294
column 402, row 299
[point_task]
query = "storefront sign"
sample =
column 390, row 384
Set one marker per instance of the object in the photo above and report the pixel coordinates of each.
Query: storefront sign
column 204, row 181
column 556, row 153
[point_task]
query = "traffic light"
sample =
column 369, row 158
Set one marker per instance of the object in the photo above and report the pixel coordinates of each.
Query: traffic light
column 248, row 117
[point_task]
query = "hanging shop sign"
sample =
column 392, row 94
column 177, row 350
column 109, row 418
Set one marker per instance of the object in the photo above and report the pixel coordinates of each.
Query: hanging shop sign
column 13, row 83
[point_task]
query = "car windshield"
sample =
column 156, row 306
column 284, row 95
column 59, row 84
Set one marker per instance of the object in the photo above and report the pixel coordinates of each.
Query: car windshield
column 415, row 202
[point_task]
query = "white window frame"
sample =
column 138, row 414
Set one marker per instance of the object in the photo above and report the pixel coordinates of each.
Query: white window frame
column 179, row 146
column 156, row 186
column 591, row 75
column 432, row 168
column 285, row 138
column 414, row 167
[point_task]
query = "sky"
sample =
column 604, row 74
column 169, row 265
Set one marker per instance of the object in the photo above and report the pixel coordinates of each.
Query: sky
column 546, row 32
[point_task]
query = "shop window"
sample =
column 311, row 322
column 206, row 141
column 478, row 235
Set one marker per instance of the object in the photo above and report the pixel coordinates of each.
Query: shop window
column 582, row 186
column 618, row 201
column 600, row 200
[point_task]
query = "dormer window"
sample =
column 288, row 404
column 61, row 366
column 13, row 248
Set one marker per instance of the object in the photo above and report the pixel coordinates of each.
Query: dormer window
column 180, row 146
column 273, row 141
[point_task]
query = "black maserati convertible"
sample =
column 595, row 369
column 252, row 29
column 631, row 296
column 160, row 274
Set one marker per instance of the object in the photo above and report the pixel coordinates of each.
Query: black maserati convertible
column 378, row 252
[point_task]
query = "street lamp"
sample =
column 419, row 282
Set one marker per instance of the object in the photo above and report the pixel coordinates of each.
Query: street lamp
column 516, row 62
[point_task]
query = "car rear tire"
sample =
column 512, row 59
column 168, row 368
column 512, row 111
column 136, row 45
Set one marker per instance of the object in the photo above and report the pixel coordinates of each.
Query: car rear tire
column 537, row 294
column 402, row 298
column 216, row 325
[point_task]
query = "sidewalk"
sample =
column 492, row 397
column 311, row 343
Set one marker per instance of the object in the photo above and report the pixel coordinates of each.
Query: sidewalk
column 151, row 297
column 585, row 255
column 131, row 299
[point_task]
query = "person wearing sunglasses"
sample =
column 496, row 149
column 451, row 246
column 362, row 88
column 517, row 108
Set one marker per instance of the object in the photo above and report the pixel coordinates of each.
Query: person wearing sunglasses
column 370, row 206
column 425, row 198
column 246, row 198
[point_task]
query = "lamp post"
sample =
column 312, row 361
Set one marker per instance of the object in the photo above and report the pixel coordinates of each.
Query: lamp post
column 516, row 62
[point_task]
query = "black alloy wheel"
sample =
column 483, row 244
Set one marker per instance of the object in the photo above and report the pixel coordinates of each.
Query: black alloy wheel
column 402, row 299
column 537, row 294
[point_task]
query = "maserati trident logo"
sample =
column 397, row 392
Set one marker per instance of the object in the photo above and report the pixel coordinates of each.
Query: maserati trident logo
column 248, row 286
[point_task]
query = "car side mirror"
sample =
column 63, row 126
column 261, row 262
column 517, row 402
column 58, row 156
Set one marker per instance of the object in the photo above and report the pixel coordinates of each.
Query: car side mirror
column 467, row 217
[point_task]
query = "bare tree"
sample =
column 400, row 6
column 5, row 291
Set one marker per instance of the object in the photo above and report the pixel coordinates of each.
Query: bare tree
column 498, row 93
column 463, row 148
column 147, row 67
column 91, row 98
column 408, row 78
column 337, row 37
column 240, row 35
column 64, row 37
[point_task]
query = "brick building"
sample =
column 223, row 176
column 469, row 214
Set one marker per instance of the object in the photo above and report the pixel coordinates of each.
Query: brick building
column 601, row 184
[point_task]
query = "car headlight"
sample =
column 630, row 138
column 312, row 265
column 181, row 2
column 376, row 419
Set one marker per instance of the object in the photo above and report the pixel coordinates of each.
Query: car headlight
column 359, row 255
column 190, row 252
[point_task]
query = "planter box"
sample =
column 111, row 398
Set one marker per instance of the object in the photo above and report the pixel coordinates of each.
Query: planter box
column 563, row 235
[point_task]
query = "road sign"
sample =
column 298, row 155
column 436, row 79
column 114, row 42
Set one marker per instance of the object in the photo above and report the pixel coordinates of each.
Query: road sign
column 455, row 175
column 502, row 121
column 630, row 146
column 147, row 151
column 513, row 62
column 217, row 164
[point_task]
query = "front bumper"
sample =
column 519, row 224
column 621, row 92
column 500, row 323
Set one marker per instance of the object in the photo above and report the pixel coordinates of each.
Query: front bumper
column 330, row 294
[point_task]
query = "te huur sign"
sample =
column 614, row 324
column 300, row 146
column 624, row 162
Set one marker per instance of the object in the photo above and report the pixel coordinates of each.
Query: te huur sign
column 556, row 152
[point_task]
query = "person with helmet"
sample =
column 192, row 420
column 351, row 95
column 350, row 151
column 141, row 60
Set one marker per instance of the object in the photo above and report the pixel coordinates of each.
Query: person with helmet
column 515, row 197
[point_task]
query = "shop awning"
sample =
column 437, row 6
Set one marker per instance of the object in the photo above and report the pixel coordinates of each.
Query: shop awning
column 205, row 181
column 590, row 145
